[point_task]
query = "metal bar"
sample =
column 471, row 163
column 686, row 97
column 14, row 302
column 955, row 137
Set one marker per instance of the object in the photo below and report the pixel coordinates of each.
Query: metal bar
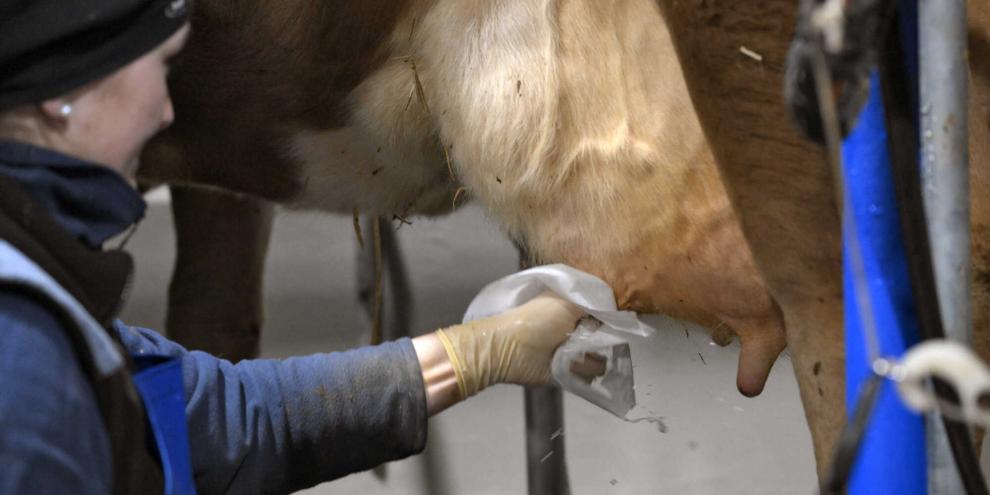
column 945, row 186
column 945, row 156
column 546, row 464
column 546, row 467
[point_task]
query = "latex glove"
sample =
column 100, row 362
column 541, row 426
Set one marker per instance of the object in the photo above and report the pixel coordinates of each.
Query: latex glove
column 513, row 347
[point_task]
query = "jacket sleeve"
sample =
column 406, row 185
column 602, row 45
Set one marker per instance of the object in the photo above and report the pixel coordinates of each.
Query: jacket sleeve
column 275, row 426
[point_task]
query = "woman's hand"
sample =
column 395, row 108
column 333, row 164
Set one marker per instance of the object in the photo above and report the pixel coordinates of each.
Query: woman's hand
column 512, row 347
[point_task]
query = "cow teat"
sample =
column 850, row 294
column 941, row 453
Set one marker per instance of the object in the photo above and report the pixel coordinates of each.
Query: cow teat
column 759, row 347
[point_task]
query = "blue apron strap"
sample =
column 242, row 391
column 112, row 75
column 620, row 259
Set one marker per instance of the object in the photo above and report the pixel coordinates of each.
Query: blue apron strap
column 159, row 381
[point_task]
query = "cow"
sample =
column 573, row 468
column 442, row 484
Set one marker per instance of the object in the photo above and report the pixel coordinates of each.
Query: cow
column 570, row 120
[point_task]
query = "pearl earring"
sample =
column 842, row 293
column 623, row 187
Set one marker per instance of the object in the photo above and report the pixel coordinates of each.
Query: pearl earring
column 65, row 110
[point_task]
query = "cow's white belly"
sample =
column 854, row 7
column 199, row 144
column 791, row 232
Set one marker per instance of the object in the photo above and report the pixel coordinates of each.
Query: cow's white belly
column 388, row 160
column 345, row 169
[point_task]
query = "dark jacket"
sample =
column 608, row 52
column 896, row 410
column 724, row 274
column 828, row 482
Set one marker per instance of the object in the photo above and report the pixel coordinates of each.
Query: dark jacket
column 254, row 427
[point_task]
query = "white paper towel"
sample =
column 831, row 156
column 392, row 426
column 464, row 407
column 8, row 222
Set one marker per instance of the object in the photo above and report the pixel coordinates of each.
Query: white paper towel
column 589, row 292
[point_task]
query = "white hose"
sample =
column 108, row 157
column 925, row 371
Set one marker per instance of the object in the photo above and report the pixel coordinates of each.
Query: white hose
column 954, row 364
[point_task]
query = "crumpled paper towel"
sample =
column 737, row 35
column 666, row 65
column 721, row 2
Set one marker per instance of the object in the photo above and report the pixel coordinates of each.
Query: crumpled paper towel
column 589, row 292
column 614, row 391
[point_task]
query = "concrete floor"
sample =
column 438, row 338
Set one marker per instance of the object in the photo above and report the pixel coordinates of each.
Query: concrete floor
column 717, row 442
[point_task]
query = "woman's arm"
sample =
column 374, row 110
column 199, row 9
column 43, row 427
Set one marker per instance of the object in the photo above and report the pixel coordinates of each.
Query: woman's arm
column 268, row 425
column 281, row 425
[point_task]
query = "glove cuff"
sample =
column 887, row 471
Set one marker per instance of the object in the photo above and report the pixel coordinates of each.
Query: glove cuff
column 455, row 360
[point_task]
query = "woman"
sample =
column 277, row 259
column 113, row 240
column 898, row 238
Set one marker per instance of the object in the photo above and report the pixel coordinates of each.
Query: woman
column 82, row 88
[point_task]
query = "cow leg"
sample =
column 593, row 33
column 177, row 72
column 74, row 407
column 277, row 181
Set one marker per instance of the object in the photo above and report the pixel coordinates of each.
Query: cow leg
column 780, row 186
column 214, row 301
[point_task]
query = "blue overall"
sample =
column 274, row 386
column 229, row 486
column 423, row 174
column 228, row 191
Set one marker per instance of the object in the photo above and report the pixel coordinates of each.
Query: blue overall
column 159, row 381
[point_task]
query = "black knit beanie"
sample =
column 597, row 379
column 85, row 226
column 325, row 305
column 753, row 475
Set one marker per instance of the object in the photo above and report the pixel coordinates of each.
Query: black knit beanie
column 50, row 47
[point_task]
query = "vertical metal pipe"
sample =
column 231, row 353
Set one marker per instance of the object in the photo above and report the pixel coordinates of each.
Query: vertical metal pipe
column 945, row 156
column 546, row 465
column 945, row 183
column 546, row 468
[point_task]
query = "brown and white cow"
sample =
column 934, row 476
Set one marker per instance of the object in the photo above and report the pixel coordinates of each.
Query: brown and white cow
column 569, row 119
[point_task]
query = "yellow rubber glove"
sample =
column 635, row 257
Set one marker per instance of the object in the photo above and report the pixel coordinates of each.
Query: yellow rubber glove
column 513, row 347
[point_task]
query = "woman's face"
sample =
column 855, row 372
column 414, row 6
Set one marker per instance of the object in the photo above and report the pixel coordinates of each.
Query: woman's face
column 112, row 119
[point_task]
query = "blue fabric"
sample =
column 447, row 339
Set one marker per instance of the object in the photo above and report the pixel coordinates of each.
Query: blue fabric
column 892, row 457
column 260, row 426
column 279, row 425
column 51, row 434
column 92, row 202
column 159, row 381
column 17, row 270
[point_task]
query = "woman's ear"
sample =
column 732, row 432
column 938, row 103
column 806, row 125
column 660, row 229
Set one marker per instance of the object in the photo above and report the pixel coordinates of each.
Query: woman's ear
column 56, row 109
